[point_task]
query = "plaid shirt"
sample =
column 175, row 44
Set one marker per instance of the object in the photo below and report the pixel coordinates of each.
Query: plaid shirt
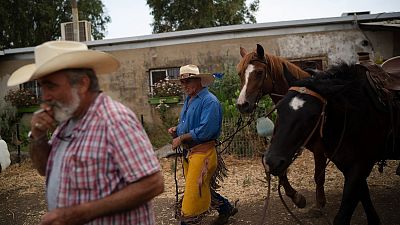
column 108, row 150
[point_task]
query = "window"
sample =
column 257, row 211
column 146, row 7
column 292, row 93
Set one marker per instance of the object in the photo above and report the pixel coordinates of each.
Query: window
column 33, row 86
column 310, row 63
column 157, row 75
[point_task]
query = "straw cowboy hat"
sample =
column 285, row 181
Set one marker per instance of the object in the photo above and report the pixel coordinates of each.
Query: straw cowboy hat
column 53, row 56
column 192, row 71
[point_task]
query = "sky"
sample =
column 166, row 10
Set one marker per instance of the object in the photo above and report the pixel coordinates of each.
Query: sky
column 132, row 17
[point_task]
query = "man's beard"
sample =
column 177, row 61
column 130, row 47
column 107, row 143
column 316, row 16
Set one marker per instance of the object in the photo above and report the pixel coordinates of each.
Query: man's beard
column 62, row 111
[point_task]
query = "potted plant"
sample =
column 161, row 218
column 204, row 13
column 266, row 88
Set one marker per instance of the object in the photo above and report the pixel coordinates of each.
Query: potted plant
column 166, row 92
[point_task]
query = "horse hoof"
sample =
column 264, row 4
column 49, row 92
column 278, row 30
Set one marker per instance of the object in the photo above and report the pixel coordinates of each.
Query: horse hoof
column 315, row 212
column 299, row 201
column 321, row 204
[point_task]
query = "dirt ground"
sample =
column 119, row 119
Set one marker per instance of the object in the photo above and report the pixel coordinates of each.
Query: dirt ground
column 22, row 194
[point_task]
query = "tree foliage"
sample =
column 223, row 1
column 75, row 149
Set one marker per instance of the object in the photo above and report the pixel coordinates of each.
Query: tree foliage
column 174, row 15
column 32, row 22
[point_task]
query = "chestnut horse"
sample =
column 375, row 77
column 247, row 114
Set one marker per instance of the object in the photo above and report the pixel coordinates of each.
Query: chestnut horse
column 262, row 74
column 357, row 130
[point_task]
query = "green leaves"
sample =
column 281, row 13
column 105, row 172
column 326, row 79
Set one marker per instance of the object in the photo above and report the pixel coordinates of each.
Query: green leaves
column 175, row 15
column 26, row 23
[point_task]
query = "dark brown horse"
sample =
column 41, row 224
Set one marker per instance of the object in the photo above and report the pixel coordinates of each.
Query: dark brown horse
column 262, row 74
column 356, row 130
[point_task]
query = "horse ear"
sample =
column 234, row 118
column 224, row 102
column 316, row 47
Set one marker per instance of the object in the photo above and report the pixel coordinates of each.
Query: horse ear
column 260, row 52
column 290, row 79
column 243, row 52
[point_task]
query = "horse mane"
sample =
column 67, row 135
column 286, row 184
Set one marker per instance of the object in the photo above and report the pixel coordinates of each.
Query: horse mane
column 343, row 81
column 275, row 65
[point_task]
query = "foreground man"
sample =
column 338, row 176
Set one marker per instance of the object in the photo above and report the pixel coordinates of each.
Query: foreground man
column 198, row 129
column 99, row 163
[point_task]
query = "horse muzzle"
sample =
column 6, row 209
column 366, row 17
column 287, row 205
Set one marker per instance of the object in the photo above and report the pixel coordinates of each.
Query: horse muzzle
column 245, row 107
column 276, row 164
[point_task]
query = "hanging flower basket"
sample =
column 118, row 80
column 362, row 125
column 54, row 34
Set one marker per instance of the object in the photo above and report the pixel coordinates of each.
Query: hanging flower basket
column 23, row 99
column 165, row 92
column 166, row 100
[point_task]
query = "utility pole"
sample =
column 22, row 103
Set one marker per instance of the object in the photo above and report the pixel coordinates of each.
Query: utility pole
column 75, row 20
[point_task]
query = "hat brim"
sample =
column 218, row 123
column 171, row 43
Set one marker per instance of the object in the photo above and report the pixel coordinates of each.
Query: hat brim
column 100, row 62
column 206, row 78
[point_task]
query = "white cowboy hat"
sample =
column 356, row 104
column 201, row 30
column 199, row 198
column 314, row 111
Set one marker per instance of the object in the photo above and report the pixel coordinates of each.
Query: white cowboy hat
column 53, row 56
column 192, row 71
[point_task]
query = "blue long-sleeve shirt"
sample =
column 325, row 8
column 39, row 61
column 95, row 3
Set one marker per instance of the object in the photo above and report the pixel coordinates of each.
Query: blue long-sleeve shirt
column 202, row 118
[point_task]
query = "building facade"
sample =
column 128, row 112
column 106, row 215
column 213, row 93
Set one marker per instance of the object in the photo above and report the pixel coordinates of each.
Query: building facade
column 147, row 59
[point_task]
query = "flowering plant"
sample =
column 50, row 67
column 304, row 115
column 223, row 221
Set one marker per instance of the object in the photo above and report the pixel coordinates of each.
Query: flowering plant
column 21, row 98
column 166, row 88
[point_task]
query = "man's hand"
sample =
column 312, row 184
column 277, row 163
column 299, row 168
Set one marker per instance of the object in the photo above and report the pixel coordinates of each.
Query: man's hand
column 172, row 131
column 62, row 216
column 42, row 121
column 176, row 142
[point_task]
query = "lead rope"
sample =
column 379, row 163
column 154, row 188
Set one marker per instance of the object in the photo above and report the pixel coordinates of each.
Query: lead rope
column 177, row 208
column 285, row 205
column 320, row 121
column 268, row 197
column 240, row 121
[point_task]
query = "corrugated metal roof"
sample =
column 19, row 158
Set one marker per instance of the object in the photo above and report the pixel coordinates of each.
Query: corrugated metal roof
column 227, row 32
column 383, row 25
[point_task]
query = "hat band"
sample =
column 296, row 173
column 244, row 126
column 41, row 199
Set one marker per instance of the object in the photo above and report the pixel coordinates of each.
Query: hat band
column 187, row 75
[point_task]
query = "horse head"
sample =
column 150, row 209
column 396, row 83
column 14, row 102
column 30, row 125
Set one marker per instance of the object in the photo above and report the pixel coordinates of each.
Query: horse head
column 300, row 118
column 252, row 70
column 262, row 74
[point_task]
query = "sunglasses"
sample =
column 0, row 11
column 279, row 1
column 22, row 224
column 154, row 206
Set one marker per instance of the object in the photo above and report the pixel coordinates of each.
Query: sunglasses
column 188, row 80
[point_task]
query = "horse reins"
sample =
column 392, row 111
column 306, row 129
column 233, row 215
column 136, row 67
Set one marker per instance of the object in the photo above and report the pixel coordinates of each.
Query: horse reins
column 321, row 118
column 320, row 122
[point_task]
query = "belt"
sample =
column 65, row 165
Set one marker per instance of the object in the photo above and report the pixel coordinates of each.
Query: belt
column 203, row 147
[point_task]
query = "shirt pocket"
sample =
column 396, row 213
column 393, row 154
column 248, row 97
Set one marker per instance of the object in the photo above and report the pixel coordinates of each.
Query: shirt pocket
column 85, row 173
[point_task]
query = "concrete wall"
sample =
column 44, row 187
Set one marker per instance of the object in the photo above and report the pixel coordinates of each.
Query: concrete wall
column 131, row 83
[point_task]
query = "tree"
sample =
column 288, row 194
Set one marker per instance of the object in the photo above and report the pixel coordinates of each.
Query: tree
column 31, row 22
column 174, row 15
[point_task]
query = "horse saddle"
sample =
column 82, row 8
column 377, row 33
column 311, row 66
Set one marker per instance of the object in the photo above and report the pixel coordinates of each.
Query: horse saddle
column 384, row 91
column 385, row 85
column 392, row 67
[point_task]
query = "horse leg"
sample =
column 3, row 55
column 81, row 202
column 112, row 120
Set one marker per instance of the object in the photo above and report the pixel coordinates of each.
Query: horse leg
column 350, row 199
column 319, row 177
column 372, row 215
column 298, row 199
column 355, row 178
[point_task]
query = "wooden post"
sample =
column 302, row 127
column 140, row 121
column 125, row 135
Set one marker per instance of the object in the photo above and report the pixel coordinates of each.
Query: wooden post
column 75, row 19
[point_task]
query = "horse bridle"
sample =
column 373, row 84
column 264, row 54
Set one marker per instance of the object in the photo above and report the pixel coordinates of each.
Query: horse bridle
column 321, row 119
column 272, row 80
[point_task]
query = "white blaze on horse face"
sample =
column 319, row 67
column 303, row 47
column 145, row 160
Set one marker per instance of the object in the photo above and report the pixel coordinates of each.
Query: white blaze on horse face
column 242, row 96
column 296, row 103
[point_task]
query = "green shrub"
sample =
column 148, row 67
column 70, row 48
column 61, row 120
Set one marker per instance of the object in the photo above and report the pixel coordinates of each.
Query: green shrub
column 8, row 119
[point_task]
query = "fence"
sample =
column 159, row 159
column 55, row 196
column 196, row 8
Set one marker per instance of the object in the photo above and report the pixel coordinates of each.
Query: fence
column 246, row 143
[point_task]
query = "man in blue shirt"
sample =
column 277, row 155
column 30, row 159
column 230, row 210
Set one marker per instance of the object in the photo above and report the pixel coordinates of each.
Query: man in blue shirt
column 198, row 129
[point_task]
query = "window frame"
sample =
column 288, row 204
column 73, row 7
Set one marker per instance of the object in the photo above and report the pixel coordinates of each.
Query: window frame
column 167, row 70
column 33, row 86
